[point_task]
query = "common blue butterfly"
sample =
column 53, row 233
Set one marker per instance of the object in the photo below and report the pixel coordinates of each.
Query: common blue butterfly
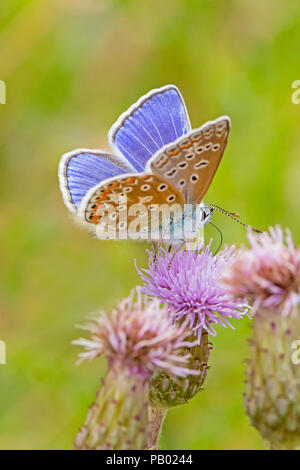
column 152, row 185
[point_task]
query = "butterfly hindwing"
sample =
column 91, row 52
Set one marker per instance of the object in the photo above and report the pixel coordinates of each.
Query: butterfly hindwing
column 157, row 119
column 190, row 163
column 117, row 202
column 82, row 169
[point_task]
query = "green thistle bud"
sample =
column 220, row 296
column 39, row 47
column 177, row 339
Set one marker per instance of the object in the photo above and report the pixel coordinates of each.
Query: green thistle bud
column 167, row 391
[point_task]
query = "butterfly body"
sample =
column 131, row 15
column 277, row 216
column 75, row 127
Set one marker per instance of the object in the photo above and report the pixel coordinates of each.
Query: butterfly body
column 152, row 187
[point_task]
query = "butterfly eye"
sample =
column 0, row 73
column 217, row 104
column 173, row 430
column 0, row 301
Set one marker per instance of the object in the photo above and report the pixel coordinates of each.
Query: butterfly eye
column 145, row 187
column 199, row 149
column 216, row 147
column 190, row 156
column 194, row 178
column 171, row 198
column 182, row 182
column 127, row 189
column 113, row 216
column 162, row 187
column 208, row 146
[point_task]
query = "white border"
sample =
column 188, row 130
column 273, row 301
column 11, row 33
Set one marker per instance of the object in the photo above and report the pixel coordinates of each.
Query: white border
column 118, row 160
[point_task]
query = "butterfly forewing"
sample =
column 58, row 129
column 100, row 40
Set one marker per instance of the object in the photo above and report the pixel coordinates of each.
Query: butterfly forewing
column 158, row 118
column 190, row 163
column 116, row 204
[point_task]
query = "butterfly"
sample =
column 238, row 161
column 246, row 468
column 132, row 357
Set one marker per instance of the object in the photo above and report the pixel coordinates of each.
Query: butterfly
column 153, row 183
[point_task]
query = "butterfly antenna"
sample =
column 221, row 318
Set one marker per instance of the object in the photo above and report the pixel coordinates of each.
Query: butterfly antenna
column 221, row 237
column 233, row 216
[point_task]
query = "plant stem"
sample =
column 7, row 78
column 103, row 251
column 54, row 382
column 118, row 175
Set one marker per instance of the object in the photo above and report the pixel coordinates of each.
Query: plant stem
column 155, row 422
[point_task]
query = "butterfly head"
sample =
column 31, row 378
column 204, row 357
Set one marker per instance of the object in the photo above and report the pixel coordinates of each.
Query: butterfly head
column 205, row 214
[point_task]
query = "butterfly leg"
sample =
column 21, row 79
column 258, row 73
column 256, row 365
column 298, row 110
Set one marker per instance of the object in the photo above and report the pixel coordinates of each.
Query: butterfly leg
column 155, row 249
column 175, row 251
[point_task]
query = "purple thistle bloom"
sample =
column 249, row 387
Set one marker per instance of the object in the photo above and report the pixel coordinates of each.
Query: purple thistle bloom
column 188, row 283
column 268, row 274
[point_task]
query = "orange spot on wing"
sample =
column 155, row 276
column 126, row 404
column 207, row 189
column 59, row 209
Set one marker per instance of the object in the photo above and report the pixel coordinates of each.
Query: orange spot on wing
column 186, row 145
column 196, row 138
column 173, row 152
column 130, row 180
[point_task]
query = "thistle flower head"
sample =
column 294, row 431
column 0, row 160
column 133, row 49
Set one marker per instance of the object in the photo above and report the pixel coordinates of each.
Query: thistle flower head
column 267, row 274
column 139, row 335
column 188, row 283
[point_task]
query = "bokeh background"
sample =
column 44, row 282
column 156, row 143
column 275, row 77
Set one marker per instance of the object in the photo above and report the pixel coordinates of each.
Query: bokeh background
column 71, row 67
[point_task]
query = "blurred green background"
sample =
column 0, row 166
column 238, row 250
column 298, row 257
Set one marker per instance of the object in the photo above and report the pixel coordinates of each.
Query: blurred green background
column 71, row 67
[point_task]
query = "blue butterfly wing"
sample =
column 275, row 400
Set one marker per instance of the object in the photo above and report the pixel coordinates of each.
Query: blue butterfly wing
column 81, row 169
column 157, row 119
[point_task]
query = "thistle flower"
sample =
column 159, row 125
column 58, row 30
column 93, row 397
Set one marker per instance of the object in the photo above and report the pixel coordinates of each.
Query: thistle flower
column 187, row 282
column 136, row 339
column 268, row 275
column 139, row 335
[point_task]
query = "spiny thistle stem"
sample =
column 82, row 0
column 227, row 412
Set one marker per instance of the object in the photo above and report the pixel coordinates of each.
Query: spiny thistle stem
column 156, row 417
column 119, row 416
column 272, row 397
column 136, row 338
